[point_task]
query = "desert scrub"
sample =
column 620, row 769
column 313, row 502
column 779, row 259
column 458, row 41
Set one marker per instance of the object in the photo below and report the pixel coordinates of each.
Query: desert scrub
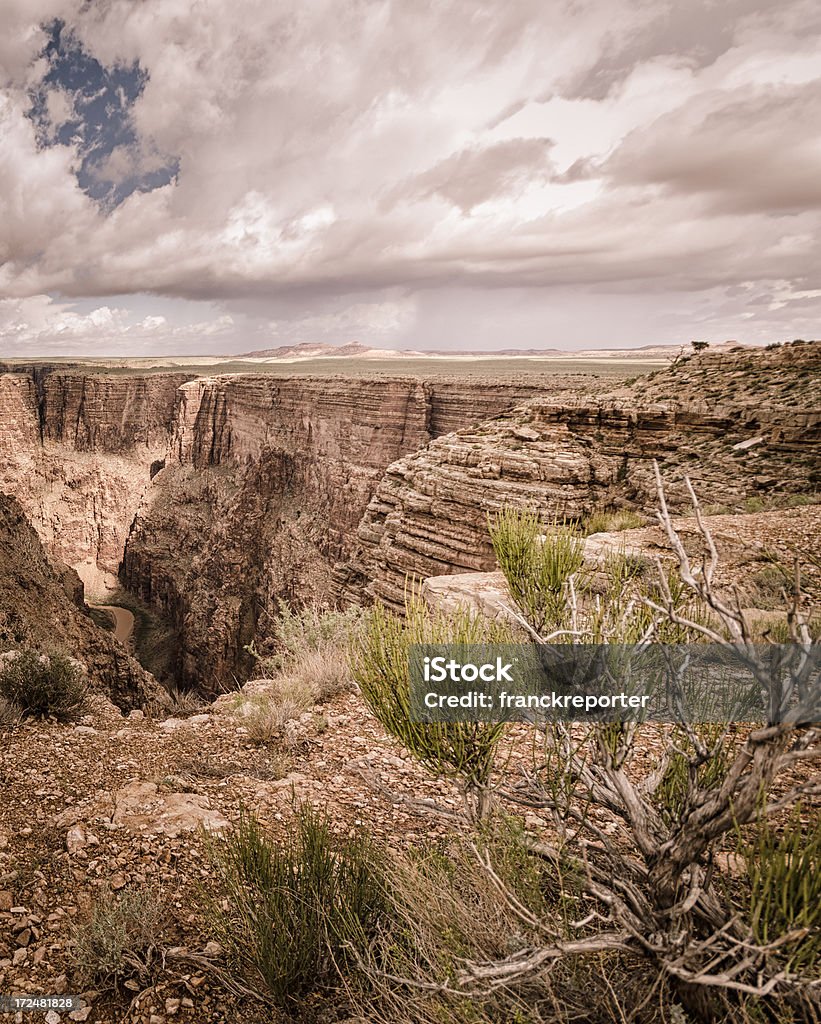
column 613, row 522
column 121, row 937
column 784, row 872
column 294, row 913
column 537, row 567
column 298, row 633
column 43, row 685
column 10, row 714
column 310, row 650
column 183, row 703
column 676, row 787
column 265, row 718
column 379, row 663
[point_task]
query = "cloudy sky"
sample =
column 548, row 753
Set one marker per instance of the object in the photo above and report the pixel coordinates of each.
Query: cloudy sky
column 229, row 175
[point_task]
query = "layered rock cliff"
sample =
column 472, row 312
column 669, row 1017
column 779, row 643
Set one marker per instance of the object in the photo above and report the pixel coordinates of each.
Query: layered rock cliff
column 222, row 495
column 429, row 514
column 265, row 483
column 265, row 480
column 41, row 605
column 77, row 451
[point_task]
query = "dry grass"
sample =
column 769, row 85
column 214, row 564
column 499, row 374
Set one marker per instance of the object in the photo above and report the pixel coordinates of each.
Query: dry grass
column 121, row 936
column 10, row 714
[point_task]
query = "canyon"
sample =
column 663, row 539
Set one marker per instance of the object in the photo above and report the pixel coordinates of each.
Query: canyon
column 212, row 499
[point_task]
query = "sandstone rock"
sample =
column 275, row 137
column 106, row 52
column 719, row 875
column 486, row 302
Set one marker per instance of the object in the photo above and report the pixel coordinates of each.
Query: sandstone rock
column 140, row 807
column 429, row 515
column 76, row 839
column 483, row 593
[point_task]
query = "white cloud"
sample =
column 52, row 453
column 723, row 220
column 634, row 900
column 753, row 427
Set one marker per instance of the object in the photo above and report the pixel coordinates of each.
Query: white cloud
column 334, row 155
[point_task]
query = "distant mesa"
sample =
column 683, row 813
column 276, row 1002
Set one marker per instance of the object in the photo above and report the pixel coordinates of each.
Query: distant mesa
column 356, row 350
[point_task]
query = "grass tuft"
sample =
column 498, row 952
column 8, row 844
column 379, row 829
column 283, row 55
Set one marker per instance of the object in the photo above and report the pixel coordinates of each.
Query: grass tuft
column 291, row 912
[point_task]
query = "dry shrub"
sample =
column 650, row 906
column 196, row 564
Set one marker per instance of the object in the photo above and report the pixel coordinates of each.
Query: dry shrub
column 120, row 938
column 43, row 685
column 293, row 912
column 266, row 720
column 613, row 522
column 324, row 673
column 184, row 703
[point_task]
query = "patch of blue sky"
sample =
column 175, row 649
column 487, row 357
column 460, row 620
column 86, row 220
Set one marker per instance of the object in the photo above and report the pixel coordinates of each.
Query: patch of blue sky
column 95, row 116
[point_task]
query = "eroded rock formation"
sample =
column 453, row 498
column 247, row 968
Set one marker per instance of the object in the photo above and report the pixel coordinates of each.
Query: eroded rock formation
column 266, row 481
column 76, row 450
column 41, row 605
column 429, row 515
column 239, row 490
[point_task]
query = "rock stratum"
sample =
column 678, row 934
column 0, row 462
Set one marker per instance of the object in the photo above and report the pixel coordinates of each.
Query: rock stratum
column 746, row 428
column 214, row 498
column 76, row 450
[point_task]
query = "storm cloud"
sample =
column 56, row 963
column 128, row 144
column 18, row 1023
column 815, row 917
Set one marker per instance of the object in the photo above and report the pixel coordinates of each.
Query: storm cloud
column 408, row 174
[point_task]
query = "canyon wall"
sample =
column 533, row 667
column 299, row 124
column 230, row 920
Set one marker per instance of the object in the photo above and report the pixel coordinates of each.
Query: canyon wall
column 264, row 486
column 213, row 498
column 217, row 497
column 429, row 515
column 41, row 605
column 76, row 450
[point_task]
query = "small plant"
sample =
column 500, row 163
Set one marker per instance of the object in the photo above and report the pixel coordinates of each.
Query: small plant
column 754, row 504
column 184, row 703
column 121, row 937
column 265, row 719
column 379, row 661
column 537, row 568
column 44, row 685
column 10, row 714
column 613, row 522
column 784, row 869
column 322, row 674
column 299, row 633
column 293, row 913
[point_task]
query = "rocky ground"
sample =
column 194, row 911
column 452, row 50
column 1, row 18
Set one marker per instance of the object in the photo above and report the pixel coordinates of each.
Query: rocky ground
column 116, row 803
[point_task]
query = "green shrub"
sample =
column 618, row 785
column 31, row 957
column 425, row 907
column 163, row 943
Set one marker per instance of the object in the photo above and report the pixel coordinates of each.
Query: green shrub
column 47, row 685
column 294, row 912
column 677, row 786
column 784, row 869
column 537, row 568
column 120, row 939
column 754, row 504
column 379, row 663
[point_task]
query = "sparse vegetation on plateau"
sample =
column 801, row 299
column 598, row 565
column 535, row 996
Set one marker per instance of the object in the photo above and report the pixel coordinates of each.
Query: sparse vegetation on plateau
column 613, row 522
column 295, row 912
column 10, row 714
column 636, row 846
column 379, row 662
